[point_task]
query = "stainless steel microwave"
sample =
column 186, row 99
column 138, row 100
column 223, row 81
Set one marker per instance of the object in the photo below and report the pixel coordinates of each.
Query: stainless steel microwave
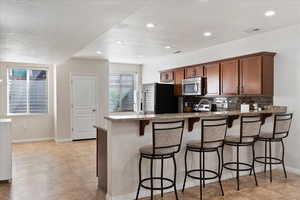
column 194, row 86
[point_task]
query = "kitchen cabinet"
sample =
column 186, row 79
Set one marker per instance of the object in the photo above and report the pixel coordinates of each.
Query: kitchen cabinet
column 251, row 74
column 178, row 77
column 166, row 76
column 212, row 73
column 194, row 71
column 230, row 77
column 256, row 75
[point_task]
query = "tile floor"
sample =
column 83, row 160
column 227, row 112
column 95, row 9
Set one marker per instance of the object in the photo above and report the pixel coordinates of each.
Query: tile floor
column 66, row 171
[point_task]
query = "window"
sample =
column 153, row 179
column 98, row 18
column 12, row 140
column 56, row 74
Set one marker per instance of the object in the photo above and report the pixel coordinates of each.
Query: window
column 27, row 91
column 122, row 92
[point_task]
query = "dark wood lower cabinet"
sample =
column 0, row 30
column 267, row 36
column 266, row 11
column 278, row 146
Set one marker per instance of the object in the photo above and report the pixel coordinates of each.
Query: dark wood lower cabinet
column 102, row 158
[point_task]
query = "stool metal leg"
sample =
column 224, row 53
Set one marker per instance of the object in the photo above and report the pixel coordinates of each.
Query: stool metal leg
column 283, row 164
column 270, row 159
column 266, row 149
column 238, row 167
column 151, row 177
column 253, row 165
column 222, row 156
column 185, row 167
column 140, row 178
column 219, row 175
column 200, row 160
column 203, row 167
column 162, row 175
column 175, row 174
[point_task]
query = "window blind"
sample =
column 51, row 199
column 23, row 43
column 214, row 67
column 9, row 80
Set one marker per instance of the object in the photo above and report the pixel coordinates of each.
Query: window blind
column 27, row 91
column 121, row 92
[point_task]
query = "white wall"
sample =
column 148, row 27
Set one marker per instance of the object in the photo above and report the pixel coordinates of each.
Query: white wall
column 63, row 91
column 28, row 127
column 286, row 42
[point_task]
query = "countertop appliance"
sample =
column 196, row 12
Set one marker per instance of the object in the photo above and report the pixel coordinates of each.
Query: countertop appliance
column 5, row 150
column 158, row 98
column 194, row 86
column 204, row 105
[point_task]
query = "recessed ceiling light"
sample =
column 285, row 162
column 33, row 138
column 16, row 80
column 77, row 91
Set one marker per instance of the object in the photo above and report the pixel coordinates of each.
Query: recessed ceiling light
column 1, row 80
column 99, row 52
column 119, row 42
column 207, row 34
column 167, row 47
column 150, row 25
column 270, row 13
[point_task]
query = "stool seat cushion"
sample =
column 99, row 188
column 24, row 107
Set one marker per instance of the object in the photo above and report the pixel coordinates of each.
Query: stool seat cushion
column 207, row 145
column 236, row 139
column 148, row 149
column 269, row 135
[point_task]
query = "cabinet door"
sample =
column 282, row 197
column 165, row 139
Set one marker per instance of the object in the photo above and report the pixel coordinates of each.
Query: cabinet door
column 230, row 77
column 212, row 72
column 178, row 77
column 191, row 72
column 251, row 75
column 166, row 76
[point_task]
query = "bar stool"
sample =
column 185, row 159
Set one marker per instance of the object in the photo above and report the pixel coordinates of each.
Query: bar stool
column 281, row 129
column 249, row 130
column 166, row 142
column 213, row 132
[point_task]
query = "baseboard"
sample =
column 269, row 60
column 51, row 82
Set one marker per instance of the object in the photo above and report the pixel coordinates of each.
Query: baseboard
column 63, row 140
column 293, row 170
column 189, row 184
column 33, row 140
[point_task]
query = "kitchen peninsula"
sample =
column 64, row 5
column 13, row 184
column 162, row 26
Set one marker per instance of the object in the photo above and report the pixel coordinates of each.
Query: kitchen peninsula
column 118, row 147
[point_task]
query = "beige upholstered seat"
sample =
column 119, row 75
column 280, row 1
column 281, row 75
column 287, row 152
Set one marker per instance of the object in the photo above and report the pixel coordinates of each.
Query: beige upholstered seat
column 197, row 144
column 269, row 135
column 236, row 139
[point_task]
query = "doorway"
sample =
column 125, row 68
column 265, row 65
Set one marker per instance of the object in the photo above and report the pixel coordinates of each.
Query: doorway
column 83, row 106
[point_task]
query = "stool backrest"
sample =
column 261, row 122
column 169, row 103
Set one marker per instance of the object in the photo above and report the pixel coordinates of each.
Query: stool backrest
column 250, row 128
column 167, row 135
column 213, row 130
column 282, row 124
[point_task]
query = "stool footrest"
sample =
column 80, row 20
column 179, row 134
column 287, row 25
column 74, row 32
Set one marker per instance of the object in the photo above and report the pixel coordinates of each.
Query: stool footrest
column 157, row 188
column 216, row 175
column 273, row 161
column 248, row 166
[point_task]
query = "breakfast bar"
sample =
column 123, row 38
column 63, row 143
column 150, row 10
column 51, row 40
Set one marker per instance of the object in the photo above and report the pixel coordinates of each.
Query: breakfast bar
column 118, row 147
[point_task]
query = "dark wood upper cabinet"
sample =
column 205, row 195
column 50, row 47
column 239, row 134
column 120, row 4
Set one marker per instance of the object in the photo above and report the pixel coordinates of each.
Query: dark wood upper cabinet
column 256, row 74
column 166, row 76
column 178, row 77
column 251, row 74
column 212, row 73
column 230, row 77
column 194, row 71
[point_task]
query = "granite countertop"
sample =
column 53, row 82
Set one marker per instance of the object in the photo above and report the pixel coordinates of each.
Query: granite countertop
column 114, row 117
column 5, row 120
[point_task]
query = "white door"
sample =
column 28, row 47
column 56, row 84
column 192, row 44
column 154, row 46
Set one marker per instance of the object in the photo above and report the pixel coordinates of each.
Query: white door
column 84, row 107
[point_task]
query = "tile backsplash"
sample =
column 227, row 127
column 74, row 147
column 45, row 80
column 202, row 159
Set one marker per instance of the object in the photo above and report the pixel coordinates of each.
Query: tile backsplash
column 230, row 102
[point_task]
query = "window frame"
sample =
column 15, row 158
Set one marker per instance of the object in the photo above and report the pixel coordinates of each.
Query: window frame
column 27, row 91
column 135, row 93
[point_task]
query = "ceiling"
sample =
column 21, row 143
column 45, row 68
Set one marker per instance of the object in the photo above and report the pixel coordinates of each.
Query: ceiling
column 51, row 31
column 180, row 24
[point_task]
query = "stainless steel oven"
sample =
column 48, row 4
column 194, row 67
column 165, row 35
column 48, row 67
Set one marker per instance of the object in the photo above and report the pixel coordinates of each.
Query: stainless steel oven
column 194, row 86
